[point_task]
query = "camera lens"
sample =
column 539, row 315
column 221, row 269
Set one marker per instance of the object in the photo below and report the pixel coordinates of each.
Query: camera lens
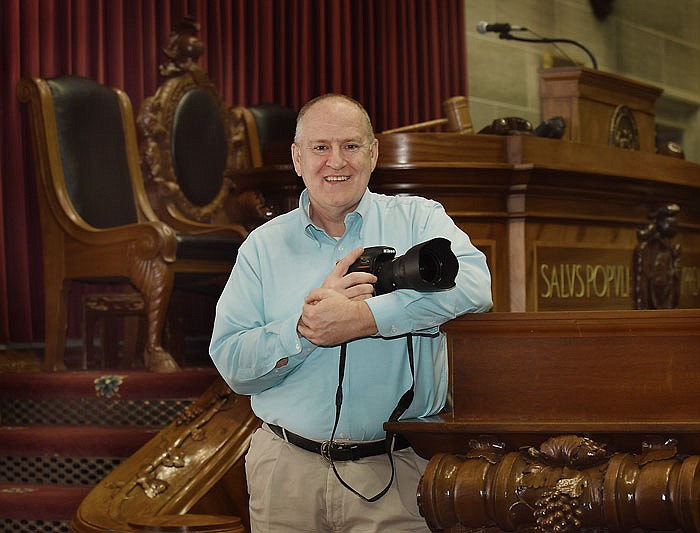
column 429, row 268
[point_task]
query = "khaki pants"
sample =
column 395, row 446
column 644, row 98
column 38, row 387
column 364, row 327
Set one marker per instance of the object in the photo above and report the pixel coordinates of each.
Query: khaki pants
column 295, row 490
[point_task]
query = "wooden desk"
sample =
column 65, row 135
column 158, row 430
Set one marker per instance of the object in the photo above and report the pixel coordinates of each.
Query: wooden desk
column 603, row 407
column 535, row 206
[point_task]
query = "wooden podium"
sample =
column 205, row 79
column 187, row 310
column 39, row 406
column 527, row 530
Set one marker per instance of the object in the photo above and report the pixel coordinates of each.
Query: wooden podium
column 599, row 107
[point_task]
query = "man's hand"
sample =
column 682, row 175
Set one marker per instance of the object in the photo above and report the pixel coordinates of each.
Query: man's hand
column 328, row 318
column 356, row 285
column 336, row 312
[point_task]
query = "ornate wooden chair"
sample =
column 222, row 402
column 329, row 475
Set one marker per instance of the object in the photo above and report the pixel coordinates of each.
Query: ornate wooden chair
column 191, row 147
column 97, row 223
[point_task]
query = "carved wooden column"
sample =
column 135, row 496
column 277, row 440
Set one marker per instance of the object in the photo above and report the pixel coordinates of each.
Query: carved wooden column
column 568, row 484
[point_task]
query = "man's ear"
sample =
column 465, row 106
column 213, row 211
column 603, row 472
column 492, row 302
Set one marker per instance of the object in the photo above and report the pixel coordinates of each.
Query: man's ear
column 374, row 153
column 296, row 159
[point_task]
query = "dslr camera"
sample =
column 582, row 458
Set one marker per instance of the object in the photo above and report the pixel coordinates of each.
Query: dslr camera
column 428, row 266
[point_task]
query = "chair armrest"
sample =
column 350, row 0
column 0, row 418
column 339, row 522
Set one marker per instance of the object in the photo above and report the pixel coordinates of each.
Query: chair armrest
column 183, row 224
column 147, row 239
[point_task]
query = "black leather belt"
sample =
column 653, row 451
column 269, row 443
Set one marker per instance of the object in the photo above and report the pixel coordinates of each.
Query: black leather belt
column 337, row 451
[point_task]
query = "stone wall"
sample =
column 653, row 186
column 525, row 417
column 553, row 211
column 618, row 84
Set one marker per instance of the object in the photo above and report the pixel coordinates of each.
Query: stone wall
column 653, row 41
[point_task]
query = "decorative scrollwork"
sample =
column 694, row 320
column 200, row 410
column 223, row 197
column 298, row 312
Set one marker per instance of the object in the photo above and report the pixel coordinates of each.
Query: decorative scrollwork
column 188, row 414
column 150, row 484
column 154, row 121
column 175, row 455
column 568, row 450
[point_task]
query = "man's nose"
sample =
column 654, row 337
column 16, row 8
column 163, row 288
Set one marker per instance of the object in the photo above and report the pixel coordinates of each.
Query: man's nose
column 336, row 158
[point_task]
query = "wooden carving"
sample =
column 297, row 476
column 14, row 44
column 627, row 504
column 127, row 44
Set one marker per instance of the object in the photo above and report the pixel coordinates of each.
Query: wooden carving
column 569, row 483
column 154, row 121
column 183, row 50
column 190, row 477
column 188, row 88
column 623, row 129
column 154, row 278
column 657, row 261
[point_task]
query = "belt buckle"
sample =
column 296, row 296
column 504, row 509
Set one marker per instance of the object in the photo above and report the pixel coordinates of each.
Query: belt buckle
column 326, row 447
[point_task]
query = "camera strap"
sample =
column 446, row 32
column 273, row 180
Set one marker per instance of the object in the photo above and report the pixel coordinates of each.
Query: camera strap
column 403, row 404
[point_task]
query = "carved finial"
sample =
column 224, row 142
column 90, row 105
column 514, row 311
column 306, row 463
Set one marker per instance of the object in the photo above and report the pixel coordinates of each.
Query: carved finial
column 657, row 261
column 184, row 49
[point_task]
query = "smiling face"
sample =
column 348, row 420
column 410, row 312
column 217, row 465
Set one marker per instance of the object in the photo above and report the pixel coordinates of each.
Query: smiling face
column 335, row 153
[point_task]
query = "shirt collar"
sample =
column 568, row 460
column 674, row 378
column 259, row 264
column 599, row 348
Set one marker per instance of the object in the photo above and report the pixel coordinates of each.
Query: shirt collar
column 314, row 231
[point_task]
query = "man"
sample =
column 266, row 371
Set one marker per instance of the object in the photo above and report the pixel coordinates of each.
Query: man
column 292, row 324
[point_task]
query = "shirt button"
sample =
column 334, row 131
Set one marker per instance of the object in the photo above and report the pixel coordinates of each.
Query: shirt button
column 394, row 329
column 341, row 248
column 343, row 435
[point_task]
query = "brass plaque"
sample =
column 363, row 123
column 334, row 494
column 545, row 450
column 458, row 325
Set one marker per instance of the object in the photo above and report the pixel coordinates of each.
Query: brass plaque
column 583, row 278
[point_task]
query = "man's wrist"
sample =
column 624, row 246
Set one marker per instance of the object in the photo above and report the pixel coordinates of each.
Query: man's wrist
column 299, row 323
column 366, row 318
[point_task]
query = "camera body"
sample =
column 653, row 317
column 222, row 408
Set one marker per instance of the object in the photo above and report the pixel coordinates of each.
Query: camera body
column 428, row 266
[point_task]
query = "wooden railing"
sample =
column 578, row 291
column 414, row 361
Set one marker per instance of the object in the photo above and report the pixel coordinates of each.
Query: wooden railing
column 188, row 478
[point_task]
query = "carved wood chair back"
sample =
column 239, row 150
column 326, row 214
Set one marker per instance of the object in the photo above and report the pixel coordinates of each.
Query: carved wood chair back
column 97, row 224
column 189, row 151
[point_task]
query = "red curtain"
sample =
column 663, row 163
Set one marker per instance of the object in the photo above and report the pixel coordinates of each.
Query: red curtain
column 400, row 58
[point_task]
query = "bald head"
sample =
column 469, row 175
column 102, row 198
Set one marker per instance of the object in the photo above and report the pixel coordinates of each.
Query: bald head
column 330, row 98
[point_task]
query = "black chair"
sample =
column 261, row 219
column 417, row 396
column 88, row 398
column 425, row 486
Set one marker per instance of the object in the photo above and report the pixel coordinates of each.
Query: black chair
column 270, row 132
column 97, row 223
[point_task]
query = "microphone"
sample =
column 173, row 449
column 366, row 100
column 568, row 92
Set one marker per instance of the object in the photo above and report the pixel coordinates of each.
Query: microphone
column 504, row 28
column 497, row 27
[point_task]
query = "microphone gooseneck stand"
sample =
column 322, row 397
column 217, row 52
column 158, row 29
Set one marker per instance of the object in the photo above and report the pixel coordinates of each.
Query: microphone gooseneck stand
column 508, row 36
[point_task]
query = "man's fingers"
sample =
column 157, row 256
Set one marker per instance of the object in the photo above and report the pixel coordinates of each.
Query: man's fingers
column 342, row 266
column 360, row 292
column 357, row 278
column 316, row 295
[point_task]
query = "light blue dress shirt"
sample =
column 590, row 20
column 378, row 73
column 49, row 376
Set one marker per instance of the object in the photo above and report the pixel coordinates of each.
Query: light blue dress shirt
column 257, row 314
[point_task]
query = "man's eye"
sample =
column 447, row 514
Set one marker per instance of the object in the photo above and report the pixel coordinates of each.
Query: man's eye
column 319, row 148
column 351, row 147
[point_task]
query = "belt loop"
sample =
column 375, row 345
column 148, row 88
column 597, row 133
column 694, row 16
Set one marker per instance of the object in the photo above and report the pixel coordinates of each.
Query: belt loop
column 284, row 434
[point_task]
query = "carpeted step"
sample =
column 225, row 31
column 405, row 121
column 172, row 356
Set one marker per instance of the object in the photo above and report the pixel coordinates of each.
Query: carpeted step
column 40, row 502
column 77, row 441
column 131, row 384
column 96, row 398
